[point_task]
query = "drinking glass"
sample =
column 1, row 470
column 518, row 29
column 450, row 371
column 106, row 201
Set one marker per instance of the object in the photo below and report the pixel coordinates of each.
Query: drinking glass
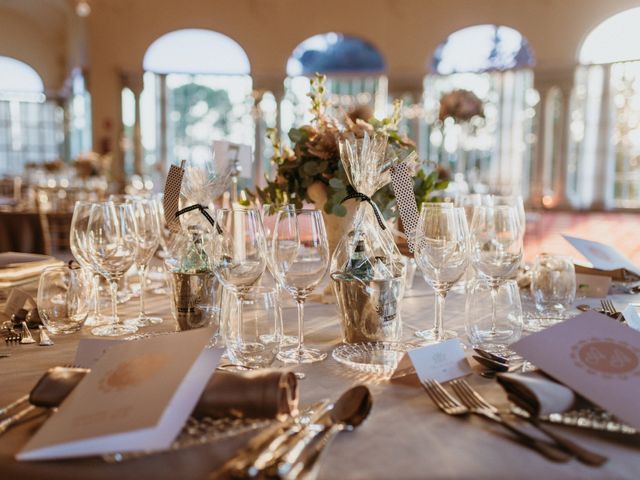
column 80, row 251
column 553, row 285
column 300, row 252
column 510, row 201
column 125, row 292
column 240, row 251
column 63, row 299
column 111, row 237
column 269, row 216
column 167, row 241
column 496, row 247
column 147, row 233
column 253, row 331
column 441, row 253
column 479, row 325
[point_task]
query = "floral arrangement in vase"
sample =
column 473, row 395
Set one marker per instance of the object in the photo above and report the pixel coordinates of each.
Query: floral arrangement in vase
column 311, row 171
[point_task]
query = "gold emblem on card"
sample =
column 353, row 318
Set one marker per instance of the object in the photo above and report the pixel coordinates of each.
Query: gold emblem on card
column 607, row 358
column 134, row 372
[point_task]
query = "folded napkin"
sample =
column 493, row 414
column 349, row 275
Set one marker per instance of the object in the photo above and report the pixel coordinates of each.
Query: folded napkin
column 16, row 268
column 537, row 394
column 260, row 394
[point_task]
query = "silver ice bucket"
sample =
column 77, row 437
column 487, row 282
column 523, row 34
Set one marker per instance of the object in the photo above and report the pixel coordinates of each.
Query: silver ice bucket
column 369, row 311
column 193, row 299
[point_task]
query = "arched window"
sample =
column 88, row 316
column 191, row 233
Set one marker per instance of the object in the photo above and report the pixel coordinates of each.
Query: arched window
column 355, row 75
column 30, row 127
column 604, row 154
column 486, row 68
column 197, row 89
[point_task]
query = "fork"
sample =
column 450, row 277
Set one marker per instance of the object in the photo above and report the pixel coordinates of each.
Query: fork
column 473, row 405
column 461, row 387
column 608, row 307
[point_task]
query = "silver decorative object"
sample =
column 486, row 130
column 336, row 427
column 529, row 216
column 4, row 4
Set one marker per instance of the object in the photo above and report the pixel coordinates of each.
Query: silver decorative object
column 369, row 310
column 191, row 298
column 45, row 340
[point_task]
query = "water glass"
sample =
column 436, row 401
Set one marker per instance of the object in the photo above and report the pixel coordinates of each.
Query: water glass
column 553, row 284
column 64, row 299
column 482, row 330
column 252, row 326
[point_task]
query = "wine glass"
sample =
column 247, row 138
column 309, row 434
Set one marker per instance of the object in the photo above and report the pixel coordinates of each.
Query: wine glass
column 111, row 237
column 147, row 233
column 167, row 241
column 441, row 253
column 125, row 292
column 496, row 247
column 510, row 201
column 300, row 253
column 269, row 216
column 80, row 251
column 240, row 251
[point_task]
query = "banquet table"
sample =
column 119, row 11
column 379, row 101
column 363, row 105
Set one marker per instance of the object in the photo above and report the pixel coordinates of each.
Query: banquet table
column 405, row 436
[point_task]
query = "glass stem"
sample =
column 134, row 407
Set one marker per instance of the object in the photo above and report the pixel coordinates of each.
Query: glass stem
column 113, row 286
column 142, row 272
column 300, row 305
column 494, row 301
column 96, row 295
column 438, row 326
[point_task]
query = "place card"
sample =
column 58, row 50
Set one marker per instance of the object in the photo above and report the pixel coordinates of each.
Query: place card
column 601, row 256
column 136, row 397
column 16, row 300
column 441, row 361
column 631, row 316
column 595, row 356
column 593, row 286
column 225, row 154
column 90, row 350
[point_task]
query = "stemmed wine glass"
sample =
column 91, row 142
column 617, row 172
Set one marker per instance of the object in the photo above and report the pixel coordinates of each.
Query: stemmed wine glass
column 496, row 247
column 167, row 240
column 111, row 237
column 240, row 250
column 441, row 253
column 300, row 255
column 80, row 251
column 147, row 231
column 269, row 217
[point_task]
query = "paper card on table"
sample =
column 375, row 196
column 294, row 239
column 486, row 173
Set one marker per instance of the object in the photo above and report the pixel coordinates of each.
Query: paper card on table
column 602, row 256
column 440, row 361
column 16, row 300
column 594, row 355
column 631, row 316
column 90, row 350
column 594, row 286
column 225, row 154
column 136, row 397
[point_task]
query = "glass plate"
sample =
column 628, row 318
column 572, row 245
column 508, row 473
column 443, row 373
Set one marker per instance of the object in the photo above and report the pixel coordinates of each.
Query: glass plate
column 378, row 358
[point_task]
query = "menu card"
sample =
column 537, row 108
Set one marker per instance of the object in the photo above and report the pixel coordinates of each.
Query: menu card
column 594, row 355
column 601, row 256
column 136, row 397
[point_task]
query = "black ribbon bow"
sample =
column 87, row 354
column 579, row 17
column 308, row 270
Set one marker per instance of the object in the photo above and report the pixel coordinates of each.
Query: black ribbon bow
column 204, row 212
column 366, row 198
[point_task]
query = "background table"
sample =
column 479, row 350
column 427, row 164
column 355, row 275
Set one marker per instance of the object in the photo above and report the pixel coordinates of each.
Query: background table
column 405, row 436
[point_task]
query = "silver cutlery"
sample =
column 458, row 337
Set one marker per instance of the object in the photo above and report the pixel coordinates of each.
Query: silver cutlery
column 462, row 387
column 610, row 310
column 451, row 406
column 351, row 409
column 45, row 340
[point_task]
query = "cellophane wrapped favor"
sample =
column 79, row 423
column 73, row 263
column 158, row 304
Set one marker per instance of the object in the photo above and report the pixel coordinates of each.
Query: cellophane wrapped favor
column 367, row 267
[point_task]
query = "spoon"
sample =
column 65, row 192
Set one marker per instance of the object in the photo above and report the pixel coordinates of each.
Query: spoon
column 351, row 409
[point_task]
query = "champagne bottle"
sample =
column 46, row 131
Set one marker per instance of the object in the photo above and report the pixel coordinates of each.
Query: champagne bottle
column 359, row 265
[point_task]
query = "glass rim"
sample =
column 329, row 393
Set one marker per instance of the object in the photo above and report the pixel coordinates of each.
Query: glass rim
column 256, row 290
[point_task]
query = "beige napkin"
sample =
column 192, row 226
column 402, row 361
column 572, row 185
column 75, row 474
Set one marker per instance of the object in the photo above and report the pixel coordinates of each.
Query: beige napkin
column 537, row 394
column 259, row 394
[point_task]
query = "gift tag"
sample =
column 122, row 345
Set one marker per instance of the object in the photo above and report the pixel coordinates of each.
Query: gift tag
column 441, row 361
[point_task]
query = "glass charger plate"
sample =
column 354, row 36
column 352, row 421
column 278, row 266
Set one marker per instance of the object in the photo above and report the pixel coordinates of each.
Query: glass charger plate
column 590, row 418
column 377, row 358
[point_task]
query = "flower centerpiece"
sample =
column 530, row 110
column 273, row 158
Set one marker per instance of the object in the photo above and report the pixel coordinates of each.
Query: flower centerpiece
column 310, row 169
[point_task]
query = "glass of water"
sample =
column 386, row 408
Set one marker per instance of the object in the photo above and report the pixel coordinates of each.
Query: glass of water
column 553, row 285
column 64, row 296
column 252, row 326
